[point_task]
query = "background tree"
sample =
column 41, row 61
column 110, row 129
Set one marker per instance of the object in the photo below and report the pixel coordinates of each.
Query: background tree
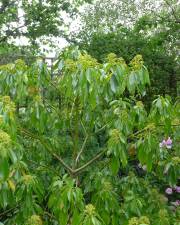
column 151, row 30
column 35, row 20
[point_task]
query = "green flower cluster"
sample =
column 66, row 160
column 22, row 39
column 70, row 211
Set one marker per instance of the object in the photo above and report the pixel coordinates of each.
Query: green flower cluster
column 70, row 65
column 12, row 68
column 114, row 60
column 28, row 179
column 143, row 220
column 8, row 68
column 84, row 62
column 5, row 143
column 90, row 210
column 34, row 220
column 107, row 186
column 1, row 120
column 20, row 64
column 87, row 61
column 115, row 135
column 137, row 62
column 176, row 160
column 8, row 104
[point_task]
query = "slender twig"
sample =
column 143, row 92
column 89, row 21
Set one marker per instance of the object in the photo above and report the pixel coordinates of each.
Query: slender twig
column 96, row 157
column 37, row 164
column 48, row 148
column 90, row 161
column 54, row 108
column 82, row 149
column 103, row 127
column 172, row 10
column 85, row 131
column 83, row 145
column 100, row 129
column 138, row 132
column 69, row 169
column 8, row 211
column 49, row 214
column 173, row 125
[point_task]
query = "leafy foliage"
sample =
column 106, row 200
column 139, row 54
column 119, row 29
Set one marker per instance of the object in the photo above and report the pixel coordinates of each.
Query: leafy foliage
column 81, row 147
column 34, row 22
column 130, row 28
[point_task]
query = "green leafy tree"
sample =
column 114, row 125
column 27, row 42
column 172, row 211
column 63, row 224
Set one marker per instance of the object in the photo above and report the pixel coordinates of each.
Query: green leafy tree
column 153, row 33
column 80, row 147
column 34, row 20
column 163, row 68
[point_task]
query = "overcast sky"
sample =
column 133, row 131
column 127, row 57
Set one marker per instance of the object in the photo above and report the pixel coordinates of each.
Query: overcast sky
column 59, row 42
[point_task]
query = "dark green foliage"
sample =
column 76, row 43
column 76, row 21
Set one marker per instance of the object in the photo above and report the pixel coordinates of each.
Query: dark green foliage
column 126, row 43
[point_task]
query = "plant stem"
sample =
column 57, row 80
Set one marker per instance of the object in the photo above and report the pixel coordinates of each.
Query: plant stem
column 90, row 161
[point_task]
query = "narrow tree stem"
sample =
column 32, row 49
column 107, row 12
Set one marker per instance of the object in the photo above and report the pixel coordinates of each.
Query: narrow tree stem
column 82, row 149
column 48, row 148
column 90, row 161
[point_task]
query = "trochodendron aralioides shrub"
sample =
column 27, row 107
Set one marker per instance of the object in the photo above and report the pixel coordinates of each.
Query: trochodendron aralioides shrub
column 81, row 147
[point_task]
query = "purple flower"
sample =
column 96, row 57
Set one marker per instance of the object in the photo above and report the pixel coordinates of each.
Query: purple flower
column 169, row 191
column 169, row 143
column 166, row 143
column 177, row 202
column 177, row 189
column 162, row 144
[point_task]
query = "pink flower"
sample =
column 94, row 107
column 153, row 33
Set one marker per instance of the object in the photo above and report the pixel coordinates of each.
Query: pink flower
column 166, row 143
column 162, row 144
column 177, row 202
column 169, row 143
column 169, row 191
column 177, row 189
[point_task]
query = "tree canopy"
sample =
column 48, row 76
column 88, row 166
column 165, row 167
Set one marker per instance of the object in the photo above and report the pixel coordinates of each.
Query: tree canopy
column 93, row 140
column 35, row 19
column 150, row 29
column 81, row 148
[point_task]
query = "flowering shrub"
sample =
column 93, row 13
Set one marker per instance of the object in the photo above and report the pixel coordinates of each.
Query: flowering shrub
column 83, row 148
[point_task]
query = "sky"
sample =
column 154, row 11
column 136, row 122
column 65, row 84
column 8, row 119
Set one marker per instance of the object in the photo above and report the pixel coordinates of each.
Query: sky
column 45, row 43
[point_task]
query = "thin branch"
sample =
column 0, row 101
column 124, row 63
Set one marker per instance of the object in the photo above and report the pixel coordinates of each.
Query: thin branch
column 48, row 148
column 85, row 131
column 100, row 129
column 172, row 10
column 82, row 149
column 37, row 164
column 8, row 211
column 90, row 161
column 173, row 125
column 69, row 169
column 54, row 108
column 138, row 132
column 103, row 127
column 12, row 33
column 50, row 215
